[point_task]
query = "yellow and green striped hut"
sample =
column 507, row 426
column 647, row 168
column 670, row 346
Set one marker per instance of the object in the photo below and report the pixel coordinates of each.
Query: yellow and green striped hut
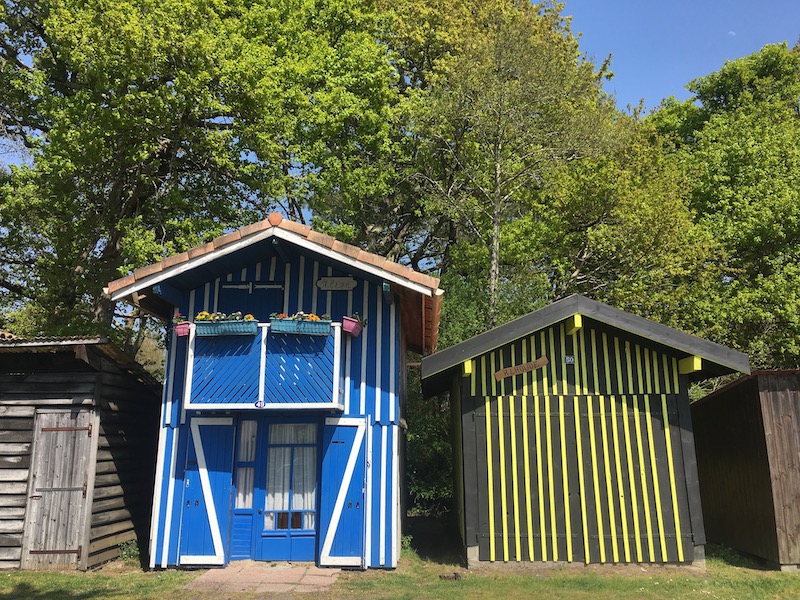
column 573, row 436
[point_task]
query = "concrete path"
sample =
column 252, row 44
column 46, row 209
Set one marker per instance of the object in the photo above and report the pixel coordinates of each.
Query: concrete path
column 265, row 578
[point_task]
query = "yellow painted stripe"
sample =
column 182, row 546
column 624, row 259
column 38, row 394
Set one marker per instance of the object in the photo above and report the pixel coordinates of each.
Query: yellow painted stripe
column 524, row 343
column 534, row 384
column 526, row 457
column 620, row 486
column 618, row 355
column 473, row 378
column 563, row 334
column 550, row 357
column 553, row 361
column 514, row 377
column 656, row 487
column 551, row 488
column 501, row 443
column 565, row 476
column 501, row 365
column 607, row 384
column 631, row 387
column 643, row 478
column 490, row 479
column 672, row 486
column 483, row 376
column 655, row 372
column 514, row 477
column 584, row 375
column 632, row 481
column 675, row 384
column 648, row 378
column 540, row 474
column 596, row 482
column 639, row 369
column 577, row 349
column 612, row 518
column 581, row 480
column 491, row 374
column 667, row 378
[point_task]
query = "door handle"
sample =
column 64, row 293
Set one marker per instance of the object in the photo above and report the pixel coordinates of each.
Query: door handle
column 260, row 511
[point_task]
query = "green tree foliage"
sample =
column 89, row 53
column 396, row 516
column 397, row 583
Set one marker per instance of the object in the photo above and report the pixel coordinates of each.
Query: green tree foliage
column 516, row 99
column 152, row 126
column 737, row 141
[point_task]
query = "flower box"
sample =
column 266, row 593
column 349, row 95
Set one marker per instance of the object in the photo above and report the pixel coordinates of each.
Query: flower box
column 351, row 326
column 301, row 327
column 209, row 328
column 182, row 329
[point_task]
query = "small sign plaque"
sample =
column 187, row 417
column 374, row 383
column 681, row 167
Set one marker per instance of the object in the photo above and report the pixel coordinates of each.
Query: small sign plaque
column 569, row 359
column 260, row 404
column 520, row 369
column 336, row 284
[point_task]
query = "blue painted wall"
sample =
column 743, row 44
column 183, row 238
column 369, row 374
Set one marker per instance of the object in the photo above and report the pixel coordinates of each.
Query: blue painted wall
column 370, row 390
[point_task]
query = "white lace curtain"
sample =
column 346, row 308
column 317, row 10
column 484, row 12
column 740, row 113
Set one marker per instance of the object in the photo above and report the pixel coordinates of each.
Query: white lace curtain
column 291, row 474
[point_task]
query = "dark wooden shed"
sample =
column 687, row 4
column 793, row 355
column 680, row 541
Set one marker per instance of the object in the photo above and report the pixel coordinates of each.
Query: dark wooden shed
column 78, row 440
column 573, row 436
column 748, row 459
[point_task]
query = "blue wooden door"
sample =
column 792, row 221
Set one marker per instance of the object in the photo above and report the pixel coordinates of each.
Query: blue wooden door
column 207, row 492
column 342, row 514
column 286, row 496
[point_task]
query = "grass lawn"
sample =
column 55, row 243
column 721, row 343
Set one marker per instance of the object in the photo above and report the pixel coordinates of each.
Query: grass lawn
column 726, row 576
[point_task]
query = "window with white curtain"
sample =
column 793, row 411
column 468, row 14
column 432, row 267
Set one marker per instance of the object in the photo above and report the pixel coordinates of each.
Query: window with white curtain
column 246, row 456
column 291, row 477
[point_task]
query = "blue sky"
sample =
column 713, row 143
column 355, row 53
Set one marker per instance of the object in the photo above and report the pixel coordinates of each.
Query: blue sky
column 658, row 47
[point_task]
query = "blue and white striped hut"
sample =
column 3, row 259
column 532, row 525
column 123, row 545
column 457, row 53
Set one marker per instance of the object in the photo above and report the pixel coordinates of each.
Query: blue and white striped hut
column 279, row 444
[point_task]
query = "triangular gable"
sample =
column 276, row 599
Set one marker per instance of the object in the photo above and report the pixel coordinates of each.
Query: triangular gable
column 151, row 287
column 714, row 359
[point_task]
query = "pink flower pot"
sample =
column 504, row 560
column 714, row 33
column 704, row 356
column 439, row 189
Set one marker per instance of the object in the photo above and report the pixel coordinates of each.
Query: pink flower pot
column 182, row 329
column 351, row 326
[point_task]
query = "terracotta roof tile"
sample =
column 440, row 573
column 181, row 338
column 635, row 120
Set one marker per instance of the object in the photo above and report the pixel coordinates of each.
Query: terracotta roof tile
column 201, row 250
column 143, row 272
column 175, row 259
column 254, row 228
column 295, row 227
column 275, row 218
column 228, row 238
column 321, row 239
column 122, row 282
column 346, row 249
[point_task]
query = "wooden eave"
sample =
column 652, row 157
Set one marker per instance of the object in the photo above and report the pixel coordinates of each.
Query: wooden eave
column 419, row 294
column 438, row 369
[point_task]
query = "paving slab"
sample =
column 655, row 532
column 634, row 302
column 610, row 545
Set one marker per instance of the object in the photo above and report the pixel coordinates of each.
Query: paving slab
column 265, row 577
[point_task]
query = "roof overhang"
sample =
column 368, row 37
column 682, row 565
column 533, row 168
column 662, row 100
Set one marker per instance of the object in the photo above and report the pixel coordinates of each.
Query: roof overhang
column 437, row 369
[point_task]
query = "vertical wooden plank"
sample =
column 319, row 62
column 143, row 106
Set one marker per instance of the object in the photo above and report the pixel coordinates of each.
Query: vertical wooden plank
column 581, row 479
column 609, row 483
column 490, row 479
column 643, row 479
column 631, row 478
column 596, row 479
column 620, row 485
column 501, row 444
column 565, row 468
column 512, row 422
column 655, row 474
column 540, row 478
column 550, row 478
column 527, row 466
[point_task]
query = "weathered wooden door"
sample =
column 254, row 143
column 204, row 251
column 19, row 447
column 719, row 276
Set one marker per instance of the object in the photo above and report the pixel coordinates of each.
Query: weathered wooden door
column 55, row 520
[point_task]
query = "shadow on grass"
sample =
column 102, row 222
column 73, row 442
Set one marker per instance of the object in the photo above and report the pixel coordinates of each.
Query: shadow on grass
column 435, row 539
column 734, row 558
column 24, row 591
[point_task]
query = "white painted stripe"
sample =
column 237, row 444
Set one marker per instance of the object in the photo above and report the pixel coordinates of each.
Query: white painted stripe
column 159, row 484
column 392, row 361
column 382, row 509
column 273, row 264
column 301, row 283
column 267, row 406
column 167, row 419
column 191, row 313
column 205, row 483
column 258, row 271
column 216, row 295
column 244, row 274
column 325, row 557
column 328, row 294
column 262, row 364
column 368, row 498
column 344, row 421
column 314, row 288
column 187, row 381
column 170, row 498
column 287, row 284
column 395, row 495
column 348, row 357
column 337, row 363
column 378, row 356
column 362, row 396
